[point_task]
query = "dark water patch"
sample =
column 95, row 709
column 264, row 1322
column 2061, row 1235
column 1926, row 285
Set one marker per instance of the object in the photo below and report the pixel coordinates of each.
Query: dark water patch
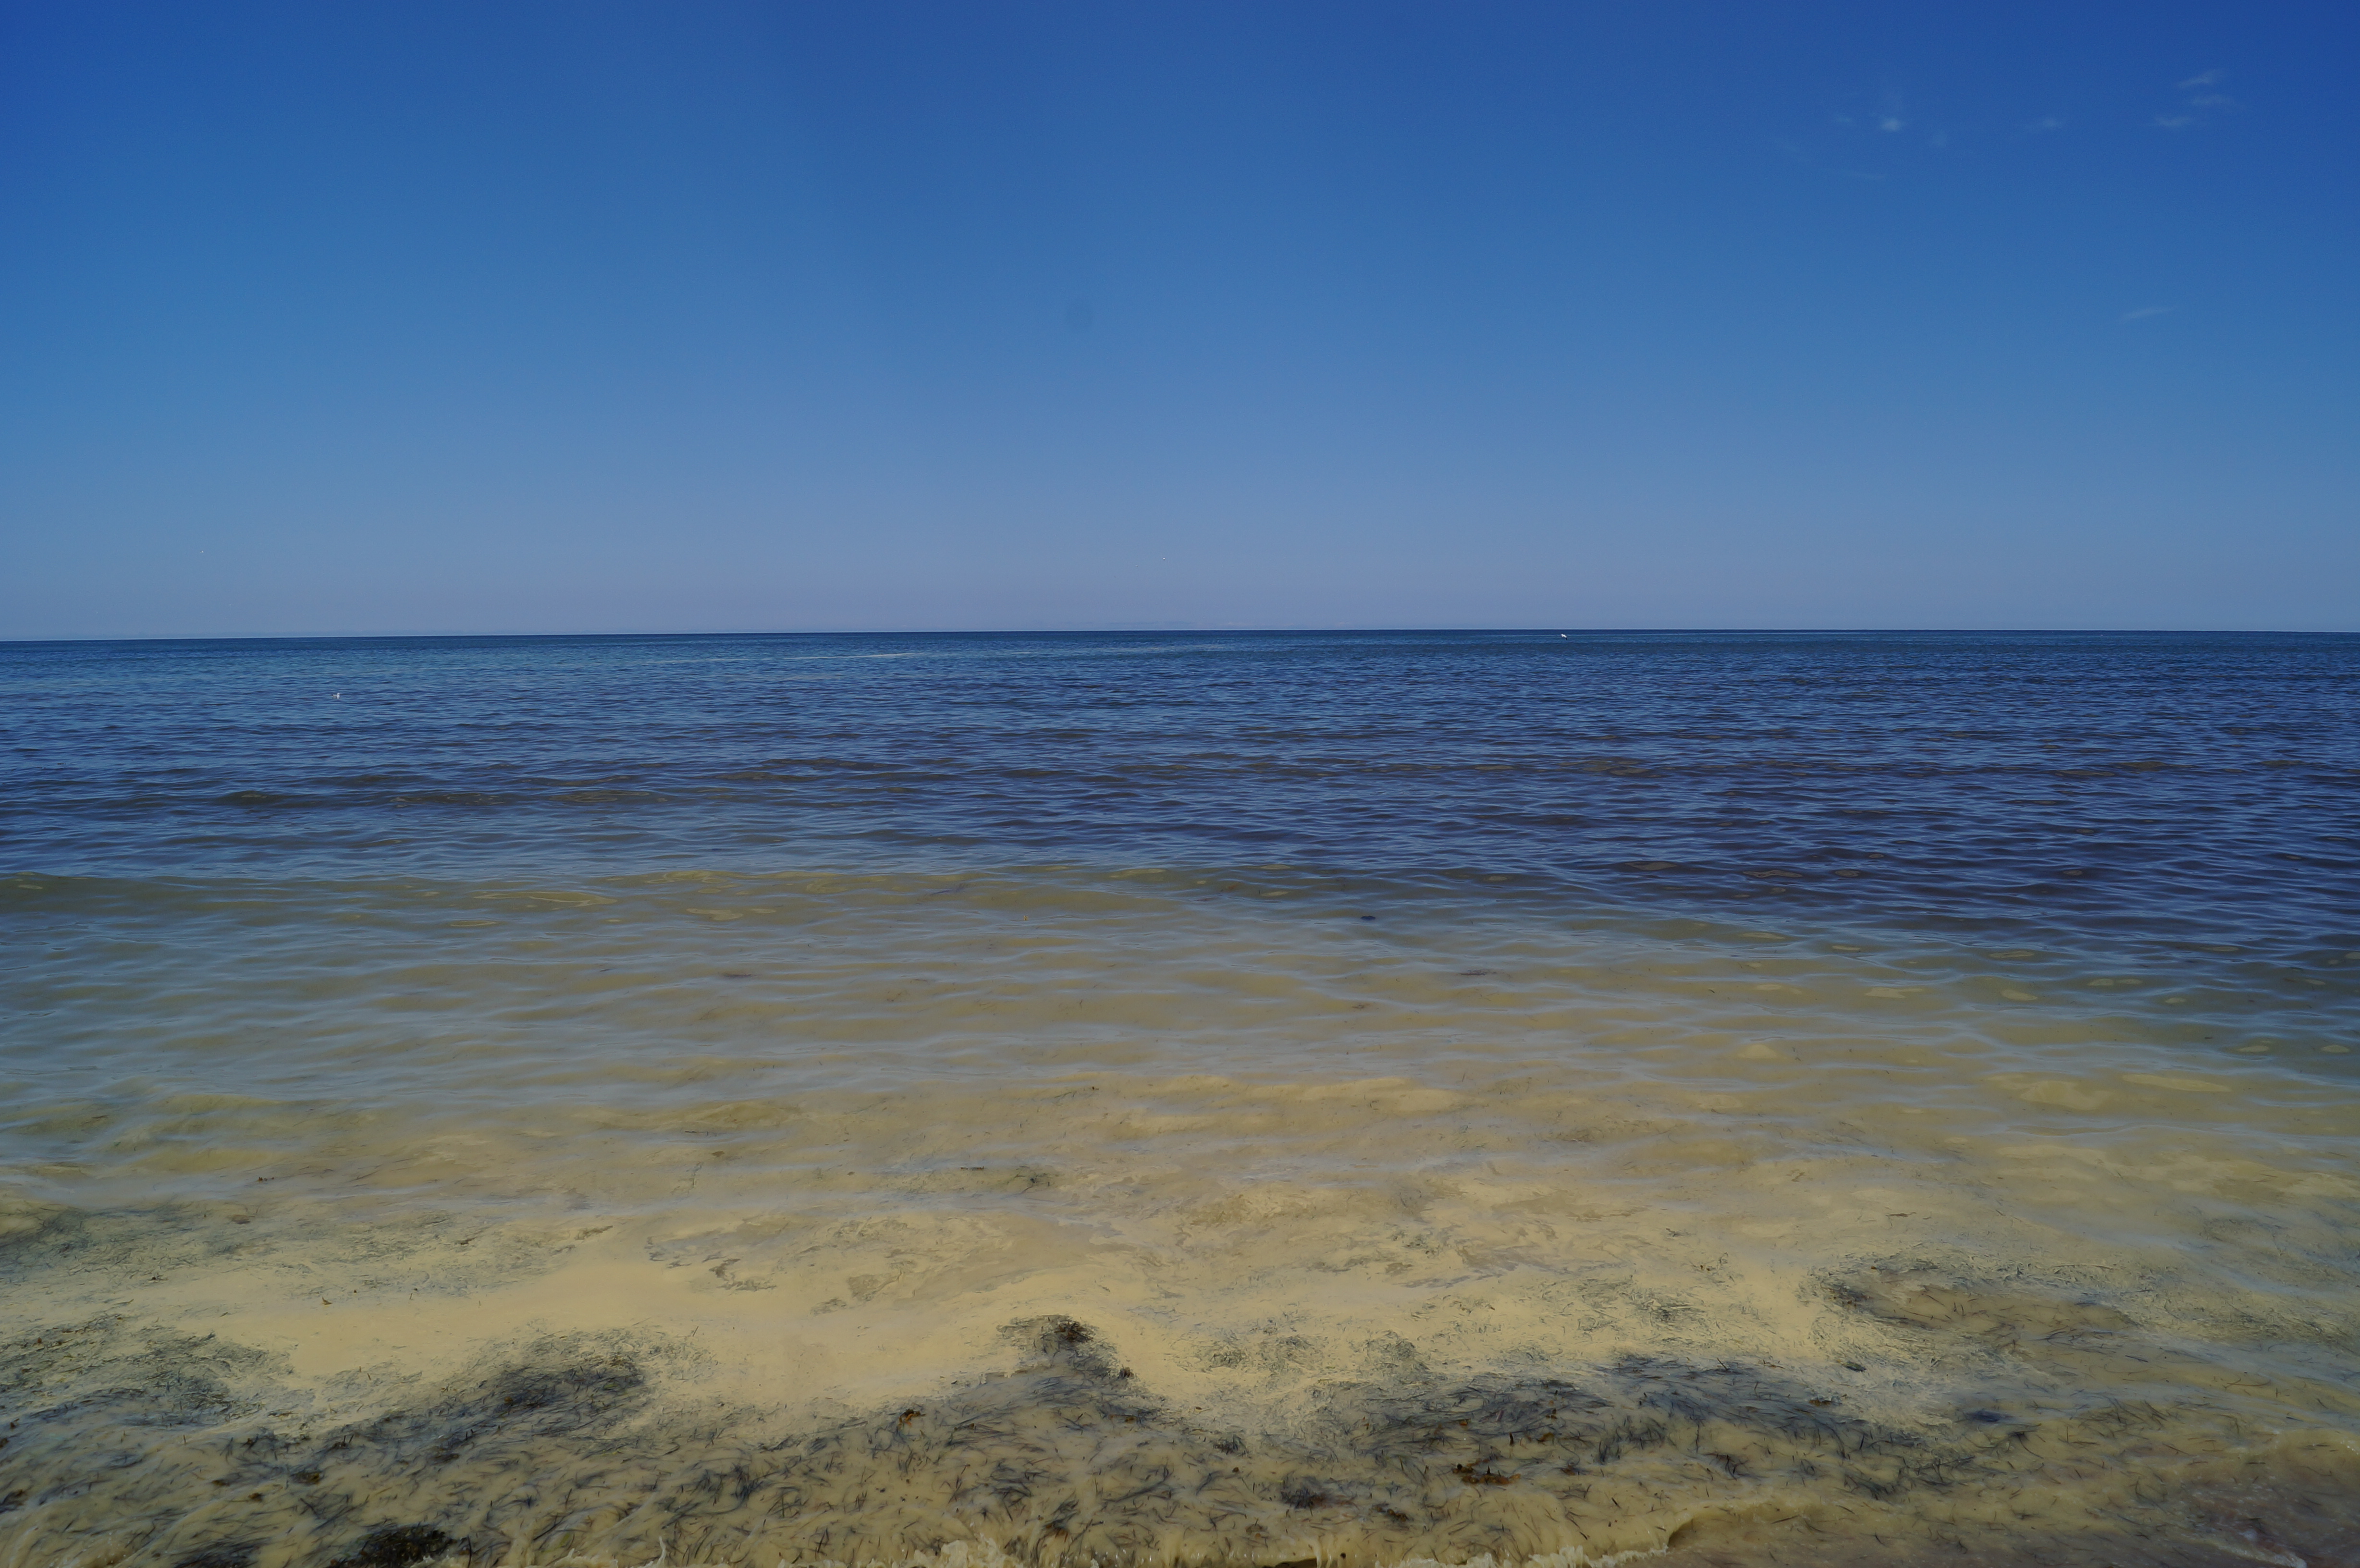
column 2187, row 787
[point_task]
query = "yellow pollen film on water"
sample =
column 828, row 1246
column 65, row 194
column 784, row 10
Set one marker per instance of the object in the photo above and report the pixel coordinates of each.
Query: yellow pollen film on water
column 1060, row 1218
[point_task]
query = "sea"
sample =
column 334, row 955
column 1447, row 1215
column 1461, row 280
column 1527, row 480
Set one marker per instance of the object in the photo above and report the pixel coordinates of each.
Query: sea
column 1284, row 1100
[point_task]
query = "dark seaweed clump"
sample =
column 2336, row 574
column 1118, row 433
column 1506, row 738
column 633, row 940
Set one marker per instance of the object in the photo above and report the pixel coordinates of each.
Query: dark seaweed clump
column 103, row 1370
column 397, row 1546
column 562, row 1446
column 221, row 1554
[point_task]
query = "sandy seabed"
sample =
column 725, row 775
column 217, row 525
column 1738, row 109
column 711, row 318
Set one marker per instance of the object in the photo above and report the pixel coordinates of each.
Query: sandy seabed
column 746, row 1220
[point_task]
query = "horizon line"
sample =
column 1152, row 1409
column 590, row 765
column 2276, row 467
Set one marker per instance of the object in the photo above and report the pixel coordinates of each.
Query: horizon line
column 1148, row 629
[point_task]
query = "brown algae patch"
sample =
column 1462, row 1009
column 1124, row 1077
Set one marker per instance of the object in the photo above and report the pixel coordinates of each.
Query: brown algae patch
column 131, row 1446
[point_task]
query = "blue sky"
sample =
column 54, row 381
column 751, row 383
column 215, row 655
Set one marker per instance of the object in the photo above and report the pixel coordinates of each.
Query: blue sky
column 416, row 317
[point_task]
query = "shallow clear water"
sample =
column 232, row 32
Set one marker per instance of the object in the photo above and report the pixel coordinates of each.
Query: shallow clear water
column 1135, row 1097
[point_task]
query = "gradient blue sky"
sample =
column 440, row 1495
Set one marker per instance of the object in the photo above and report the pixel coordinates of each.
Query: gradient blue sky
column 421, row 316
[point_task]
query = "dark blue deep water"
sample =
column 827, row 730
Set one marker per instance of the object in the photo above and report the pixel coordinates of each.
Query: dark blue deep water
column 2125, row 788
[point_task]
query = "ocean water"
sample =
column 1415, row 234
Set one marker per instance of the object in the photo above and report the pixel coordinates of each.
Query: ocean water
column 1258, row 1099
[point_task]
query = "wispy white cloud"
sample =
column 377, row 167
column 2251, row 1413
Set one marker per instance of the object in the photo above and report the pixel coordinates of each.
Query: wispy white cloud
column 2201, row 104
column 2047, row 123
column 2144, row 311
column 1891, row 123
